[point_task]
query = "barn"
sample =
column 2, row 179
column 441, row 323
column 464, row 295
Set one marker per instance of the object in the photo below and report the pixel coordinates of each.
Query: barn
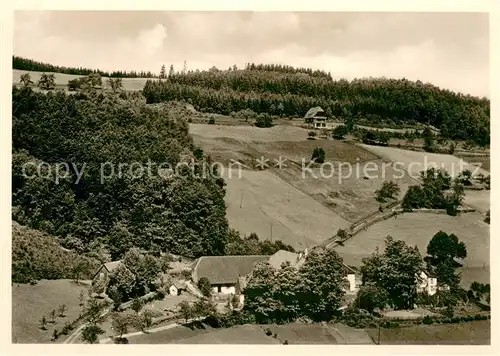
column 223, row 271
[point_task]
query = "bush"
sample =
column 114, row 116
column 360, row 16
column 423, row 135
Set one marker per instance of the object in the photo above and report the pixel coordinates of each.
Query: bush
column 66, row 328
column 428, row 320
column 339, row 132
column 318, row 155
column 448, row 312
column 268, row 332
column 205, row 287
column 211, row 121
column 264, row 120
column 120, row 340
column 356, row 318
column 389, row 190
column 312, row 134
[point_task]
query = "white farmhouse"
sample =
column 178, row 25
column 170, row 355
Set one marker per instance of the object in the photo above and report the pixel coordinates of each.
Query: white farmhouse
column 427, row 283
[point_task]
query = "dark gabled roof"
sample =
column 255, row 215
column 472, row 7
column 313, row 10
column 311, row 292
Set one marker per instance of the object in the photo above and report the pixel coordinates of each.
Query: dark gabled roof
column 178, row 284
column 312, row 112
column 110, row 266
column 225, row 269
column 281, row 256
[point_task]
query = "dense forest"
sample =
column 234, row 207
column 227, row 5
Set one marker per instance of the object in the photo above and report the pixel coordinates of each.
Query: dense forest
column 288, row 92
column 137, row 205
column 31, row 65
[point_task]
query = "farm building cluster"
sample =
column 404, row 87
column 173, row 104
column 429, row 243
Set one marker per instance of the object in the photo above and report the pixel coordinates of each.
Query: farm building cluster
column 228, row 275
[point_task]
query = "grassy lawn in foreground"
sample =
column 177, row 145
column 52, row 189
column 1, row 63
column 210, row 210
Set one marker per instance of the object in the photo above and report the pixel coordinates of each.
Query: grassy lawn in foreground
column 472, row 333
column 31, row 302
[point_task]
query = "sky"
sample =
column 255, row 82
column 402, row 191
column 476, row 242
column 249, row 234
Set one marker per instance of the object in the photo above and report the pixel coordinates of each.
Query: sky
column 450, row 50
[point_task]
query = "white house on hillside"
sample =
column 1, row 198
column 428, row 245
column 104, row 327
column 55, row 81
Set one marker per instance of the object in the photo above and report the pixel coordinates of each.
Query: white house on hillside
column 316, row 117
column 427, row 283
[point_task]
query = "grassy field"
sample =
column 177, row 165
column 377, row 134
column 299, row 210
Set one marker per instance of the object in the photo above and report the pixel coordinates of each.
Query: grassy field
column 166, row 336
column 243, row 334
column 129, row 84
column 299, row 209
column 473, row 333
column 414, row 161
column 352, row 197
column 31, row 302
column 478, row 199
column 349, row 191
column 484, row 161
column 301, row 334
column 418, row 229
column 260, row 201
column 250, row 133
column 295, row 333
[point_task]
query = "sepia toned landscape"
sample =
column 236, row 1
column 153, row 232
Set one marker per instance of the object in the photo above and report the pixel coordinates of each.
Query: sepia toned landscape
column 261, row 202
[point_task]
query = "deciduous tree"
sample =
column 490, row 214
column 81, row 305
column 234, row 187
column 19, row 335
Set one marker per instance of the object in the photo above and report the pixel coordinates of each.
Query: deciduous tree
column 90, row 333
column 47, row 81
column 205, row 287
column 370, row 297
column 395, row 271
column 119, row 322
column 442, row 251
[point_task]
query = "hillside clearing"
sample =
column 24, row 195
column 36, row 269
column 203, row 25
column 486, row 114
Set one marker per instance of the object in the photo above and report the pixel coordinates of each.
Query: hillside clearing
column 250, row 133
column 349, row 191
column 263, row 203
column 418, row 229
column 31, row 302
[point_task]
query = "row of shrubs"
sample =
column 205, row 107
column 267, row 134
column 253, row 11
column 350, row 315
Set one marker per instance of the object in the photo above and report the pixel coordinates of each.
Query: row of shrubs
column 428, row 320
column 359, row 319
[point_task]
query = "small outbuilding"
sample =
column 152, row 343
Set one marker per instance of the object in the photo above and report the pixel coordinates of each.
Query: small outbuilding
column 176, row 288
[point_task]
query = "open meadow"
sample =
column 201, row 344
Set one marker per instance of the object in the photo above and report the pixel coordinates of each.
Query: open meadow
column 417, row 229
column 293, row 334
column 471, row 333
column 347, row 190
column 263, row 203
column 31, row 302
column 241, row 334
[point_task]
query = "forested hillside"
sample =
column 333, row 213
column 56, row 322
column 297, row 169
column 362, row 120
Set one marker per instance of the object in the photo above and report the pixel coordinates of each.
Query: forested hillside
column 132, row 206
column 284, row 91
column 31, row 65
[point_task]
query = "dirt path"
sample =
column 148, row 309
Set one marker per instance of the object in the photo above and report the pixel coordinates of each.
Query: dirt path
column 76, row 334
column 150, row 331
column 136, row 333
